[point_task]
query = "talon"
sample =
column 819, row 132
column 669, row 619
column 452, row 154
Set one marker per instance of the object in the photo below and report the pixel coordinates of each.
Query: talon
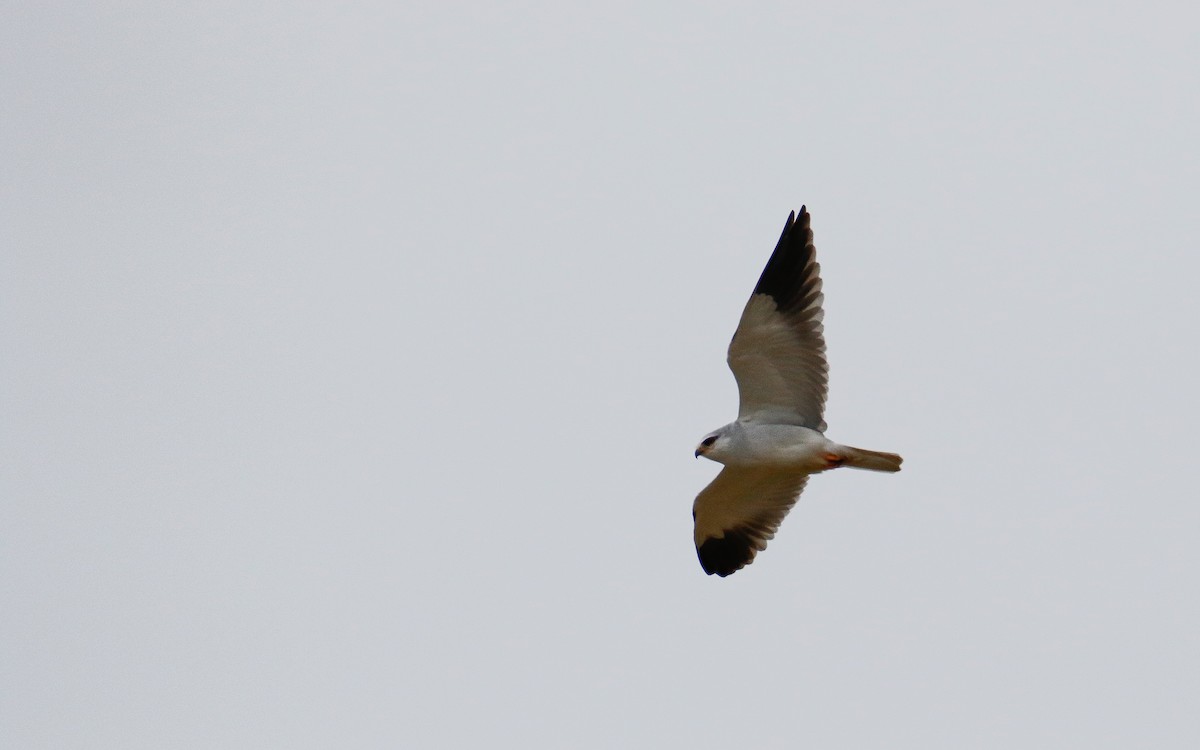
column 833, row 460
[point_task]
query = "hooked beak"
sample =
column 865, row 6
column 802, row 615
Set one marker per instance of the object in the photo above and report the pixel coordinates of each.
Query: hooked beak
column 699, row 450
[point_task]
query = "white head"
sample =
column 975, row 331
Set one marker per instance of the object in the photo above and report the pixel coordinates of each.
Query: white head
column 714, row 445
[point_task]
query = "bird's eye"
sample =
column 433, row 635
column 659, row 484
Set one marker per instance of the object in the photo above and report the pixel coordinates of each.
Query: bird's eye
column 708, row 440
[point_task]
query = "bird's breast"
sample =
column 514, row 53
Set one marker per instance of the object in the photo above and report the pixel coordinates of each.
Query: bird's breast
column 788, row 446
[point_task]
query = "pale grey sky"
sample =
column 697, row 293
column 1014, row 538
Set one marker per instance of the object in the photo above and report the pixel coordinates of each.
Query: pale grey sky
column 354, row 356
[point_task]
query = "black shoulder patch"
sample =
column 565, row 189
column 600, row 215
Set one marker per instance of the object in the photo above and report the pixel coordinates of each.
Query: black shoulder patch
column 727, row 554
column 791, row 276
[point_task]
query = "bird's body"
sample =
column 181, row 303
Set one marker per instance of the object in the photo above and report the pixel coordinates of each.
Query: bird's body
column 783, row 446
column 778, row 357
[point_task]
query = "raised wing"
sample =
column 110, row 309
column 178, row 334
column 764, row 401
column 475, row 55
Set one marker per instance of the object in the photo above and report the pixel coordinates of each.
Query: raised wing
column 778, row 351
column 739, row 512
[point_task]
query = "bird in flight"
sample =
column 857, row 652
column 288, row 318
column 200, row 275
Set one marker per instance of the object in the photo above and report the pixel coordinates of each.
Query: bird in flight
column 778, row 358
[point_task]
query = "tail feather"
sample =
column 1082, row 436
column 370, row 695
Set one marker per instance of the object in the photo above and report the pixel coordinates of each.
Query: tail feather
column 859, row 458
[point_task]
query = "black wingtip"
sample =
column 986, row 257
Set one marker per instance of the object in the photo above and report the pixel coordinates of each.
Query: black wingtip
column 726, row 555
column 784, row 277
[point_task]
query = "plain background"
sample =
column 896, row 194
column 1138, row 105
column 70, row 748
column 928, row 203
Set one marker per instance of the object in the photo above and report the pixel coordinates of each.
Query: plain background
column 354, row 355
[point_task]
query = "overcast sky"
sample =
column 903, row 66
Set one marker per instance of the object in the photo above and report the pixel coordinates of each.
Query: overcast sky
column 354, row 355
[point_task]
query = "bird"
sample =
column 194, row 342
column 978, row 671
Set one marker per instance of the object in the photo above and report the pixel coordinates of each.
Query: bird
column 777, row 356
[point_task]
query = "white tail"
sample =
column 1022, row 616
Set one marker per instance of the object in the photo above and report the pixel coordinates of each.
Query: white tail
column 858, row 458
